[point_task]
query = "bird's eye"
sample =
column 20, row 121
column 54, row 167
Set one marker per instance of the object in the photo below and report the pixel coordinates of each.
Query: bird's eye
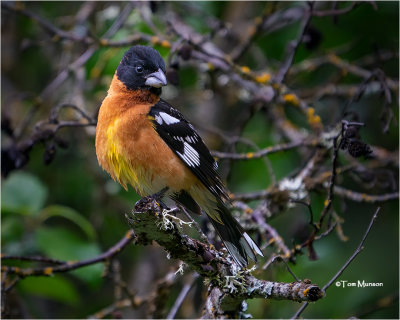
column 139, row 69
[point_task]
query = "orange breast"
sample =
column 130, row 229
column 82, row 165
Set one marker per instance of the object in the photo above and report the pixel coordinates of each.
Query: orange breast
column 131, row 151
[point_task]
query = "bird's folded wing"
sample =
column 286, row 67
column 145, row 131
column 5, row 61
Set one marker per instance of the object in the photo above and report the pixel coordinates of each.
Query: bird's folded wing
column 184, row 141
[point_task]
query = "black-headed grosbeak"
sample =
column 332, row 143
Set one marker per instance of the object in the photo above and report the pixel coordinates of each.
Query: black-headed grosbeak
column 143, row 141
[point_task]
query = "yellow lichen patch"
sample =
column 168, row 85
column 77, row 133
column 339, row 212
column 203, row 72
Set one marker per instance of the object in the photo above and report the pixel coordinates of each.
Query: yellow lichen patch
column 364, row 196
column 326, row 202
column 287, row 255
column 128, row 235
column 289, row 125
column 340, row 233
column 252, row 31
column 334, row 58
column 316, row 120
column 263, row 77
column 314, row 142
column 245, row 69
column 271, row 241
column 311, row 67
column 165, row 44
column 325, row 175
column 291, row 98
column 250, row 155
column 228, row 58
column 313, row 120
column 248, row 210
column 48, row 271
column 258, row 20
column 276, row 86
column 103, row 42
column 154, row 39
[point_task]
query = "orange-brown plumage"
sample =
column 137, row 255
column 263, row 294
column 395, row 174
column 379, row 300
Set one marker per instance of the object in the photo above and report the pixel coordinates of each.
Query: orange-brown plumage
column 126, row 113
column 143, row 141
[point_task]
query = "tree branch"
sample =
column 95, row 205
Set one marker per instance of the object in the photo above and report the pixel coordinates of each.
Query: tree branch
column 152, row 224
column 68, row 265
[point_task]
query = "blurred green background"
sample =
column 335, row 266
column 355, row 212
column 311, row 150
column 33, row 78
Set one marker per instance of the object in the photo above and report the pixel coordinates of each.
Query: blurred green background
column 71, row 210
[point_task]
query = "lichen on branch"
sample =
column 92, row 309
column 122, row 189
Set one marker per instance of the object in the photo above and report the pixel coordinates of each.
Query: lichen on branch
column 234, row 284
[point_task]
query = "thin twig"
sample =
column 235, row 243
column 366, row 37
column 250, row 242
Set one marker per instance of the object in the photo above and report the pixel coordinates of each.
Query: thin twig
column 55, row 112
column 68, row 266
column 364, row 197
column 124, row 303
column 331, row 188
column 261, row 153
column 356, row 252
column 312, row 223
column 32, row 259
column 254, row 31
column 182, row 295
column 335, row 12
column 18, row 8
column 273, row 235
column 294, row 45
column 346, row 264
column 63, row 75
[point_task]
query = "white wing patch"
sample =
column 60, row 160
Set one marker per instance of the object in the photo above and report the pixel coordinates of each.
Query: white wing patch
column 191, row 139
column 215, row 165
column 158, row 119
column 168, row 119
column 252, row 244
column 190, row 155
column 178, row 138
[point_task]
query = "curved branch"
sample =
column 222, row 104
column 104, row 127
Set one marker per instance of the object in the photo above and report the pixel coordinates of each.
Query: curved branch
column 261, row 153
column 68, row 265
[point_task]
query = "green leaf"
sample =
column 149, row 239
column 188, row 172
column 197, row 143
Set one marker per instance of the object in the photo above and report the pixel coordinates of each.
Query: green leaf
column 62, row 244
column 72, row 215
column 12, row 229
column 23, row 193
column 55, row 288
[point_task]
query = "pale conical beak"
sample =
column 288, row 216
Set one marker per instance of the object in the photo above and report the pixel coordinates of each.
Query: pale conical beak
column 156, row 79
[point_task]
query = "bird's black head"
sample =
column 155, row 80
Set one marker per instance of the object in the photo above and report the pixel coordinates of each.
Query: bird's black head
column 142, row 68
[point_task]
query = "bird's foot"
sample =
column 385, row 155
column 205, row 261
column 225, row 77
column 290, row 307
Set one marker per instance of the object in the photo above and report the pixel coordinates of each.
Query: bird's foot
column 158, row 198
column 144, row 202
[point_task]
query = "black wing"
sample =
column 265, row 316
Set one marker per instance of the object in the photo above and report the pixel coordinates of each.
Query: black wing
column 182, row 138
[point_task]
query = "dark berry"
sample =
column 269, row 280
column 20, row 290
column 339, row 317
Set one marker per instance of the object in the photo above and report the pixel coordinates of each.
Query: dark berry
column 358, row 148
column 185, row 52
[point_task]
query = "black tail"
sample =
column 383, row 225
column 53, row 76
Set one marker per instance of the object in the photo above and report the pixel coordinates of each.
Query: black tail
column 238, row 242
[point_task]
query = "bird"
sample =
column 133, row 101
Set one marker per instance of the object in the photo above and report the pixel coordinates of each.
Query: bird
column 143, row 141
